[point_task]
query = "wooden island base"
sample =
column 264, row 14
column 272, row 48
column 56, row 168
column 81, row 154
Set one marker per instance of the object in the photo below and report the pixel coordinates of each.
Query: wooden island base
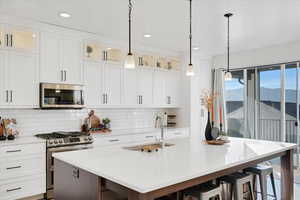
column 72, row 183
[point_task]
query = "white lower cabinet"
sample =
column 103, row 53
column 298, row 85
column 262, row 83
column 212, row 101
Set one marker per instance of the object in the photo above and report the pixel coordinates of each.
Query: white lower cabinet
column 22, row 187
column 22, row 170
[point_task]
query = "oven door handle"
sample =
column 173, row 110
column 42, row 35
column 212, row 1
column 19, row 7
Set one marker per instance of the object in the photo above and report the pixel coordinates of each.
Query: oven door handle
column 69, row 148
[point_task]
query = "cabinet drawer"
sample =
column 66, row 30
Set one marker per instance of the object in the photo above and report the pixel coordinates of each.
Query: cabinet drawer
column 22, row 167
column 20, row 188
column 20, row 150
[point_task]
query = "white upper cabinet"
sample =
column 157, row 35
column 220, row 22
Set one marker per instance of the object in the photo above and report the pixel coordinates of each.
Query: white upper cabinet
column 71, row 60
column 159, row 88
column 130, row 86
column 19, row 80
column 93, row 77
column 61, row 59
column 3, row 92
column 19, row 39
column 173, row 88
column 112, row 84
column 144, row 86
column 138, row 84
column 22, row 78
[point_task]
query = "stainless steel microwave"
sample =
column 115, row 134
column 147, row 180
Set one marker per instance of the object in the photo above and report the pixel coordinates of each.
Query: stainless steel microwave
column 58, row 96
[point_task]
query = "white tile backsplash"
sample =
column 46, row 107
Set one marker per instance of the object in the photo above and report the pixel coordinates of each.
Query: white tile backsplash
column 33, row 121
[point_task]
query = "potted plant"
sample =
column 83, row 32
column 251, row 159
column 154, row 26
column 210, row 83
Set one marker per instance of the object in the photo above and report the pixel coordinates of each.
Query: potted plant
column 106, row 123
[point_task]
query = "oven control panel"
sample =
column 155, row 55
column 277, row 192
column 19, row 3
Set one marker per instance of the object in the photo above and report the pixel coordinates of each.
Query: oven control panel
column 69, row 141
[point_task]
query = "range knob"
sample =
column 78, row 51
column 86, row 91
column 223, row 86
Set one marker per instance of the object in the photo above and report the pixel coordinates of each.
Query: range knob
column 60, row 141
column 86, row 139
column 55, row 142
column 50, row 142
column 90, row 138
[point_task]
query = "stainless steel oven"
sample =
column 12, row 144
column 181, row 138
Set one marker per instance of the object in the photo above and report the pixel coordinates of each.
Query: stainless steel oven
column 54, row 95
column 50, row 163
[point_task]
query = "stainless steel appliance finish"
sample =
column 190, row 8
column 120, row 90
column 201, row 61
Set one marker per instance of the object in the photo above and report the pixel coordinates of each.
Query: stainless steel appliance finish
column 57, row 96
column 62, row 142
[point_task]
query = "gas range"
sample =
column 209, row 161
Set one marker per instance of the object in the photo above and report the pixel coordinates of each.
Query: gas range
column 61, row 138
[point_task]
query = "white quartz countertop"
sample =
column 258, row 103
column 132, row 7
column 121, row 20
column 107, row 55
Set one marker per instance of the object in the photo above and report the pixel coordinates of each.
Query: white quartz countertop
column 187, row 159
column 22, row 140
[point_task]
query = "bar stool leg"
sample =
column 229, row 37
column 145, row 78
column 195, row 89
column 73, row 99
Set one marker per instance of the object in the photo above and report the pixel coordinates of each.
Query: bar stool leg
column 251, row 190
column 273, row 184
column 263, row 186
column 238, row 192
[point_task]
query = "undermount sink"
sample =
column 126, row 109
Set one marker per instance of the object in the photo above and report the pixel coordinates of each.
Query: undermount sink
column 148, row 147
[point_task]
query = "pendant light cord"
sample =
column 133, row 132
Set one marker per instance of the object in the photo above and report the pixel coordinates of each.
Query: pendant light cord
column 228, row 15
column 228, row 57
column 190, row 36
column 130, row 6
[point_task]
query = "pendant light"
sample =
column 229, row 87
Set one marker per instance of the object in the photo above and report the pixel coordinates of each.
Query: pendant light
column 190, row 69
column 129, row 60
column 228, row 75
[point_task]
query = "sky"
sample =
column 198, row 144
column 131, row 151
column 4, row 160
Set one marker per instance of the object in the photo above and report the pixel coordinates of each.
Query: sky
column 269, row 79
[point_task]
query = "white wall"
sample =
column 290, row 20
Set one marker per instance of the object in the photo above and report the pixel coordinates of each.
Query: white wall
column 264, row 56
column 201, row 80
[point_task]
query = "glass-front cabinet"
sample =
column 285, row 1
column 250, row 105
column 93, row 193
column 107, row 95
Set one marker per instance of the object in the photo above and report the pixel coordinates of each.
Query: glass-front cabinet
column 18, row 38
column 113, row 55
column 93, row 51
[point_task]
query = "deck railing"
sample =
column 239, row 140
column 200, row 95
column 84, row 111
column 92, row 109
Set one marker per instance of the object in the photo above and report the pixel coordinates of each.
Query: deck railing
column 270, row 129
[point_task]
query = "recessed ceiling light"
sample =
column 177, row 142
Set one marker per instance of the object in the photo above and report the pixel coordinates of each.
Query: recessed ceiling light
column 64, row 15
column 147, row 36
column 196, row 48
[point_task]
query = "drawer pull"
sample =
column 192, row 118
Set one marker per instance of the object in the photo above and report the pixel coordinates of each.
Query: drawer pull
column 13, row 151
column 11, row 190
column 8, row 168
column 116, row 140
column 149, row 136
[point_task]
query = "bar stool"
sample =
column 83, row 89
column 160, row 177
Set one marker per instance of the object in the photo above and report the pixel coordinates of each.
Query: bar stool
column 237, row 181
column 263, row 172
column 203, row 193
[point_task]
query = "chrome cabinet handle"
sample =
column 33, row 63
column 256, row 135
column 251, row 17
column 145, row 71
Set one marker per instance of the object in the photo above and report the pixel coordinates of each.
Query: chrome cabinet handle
column 11, row 40
column 14, row 151
column 114, row 140
column 138, row 99
column 7, row 40
column 11, row 96
column 17, row 167
column 106, row 99
column 61, row 75
column 6, row 96
column 149, row 136
column 14, row 189
column 103, row 98
column 141, row 99
column 65, row 74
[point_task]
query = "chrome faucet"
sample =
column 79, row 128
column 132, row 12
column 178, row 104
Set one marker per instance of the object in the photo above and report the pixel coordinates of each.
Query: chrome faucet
column 159, row 123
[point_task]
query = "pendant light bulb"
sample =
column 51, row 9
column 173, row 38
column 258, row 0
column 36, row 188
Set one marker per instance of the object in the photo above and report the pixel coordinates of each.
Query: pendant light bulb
column 228, row 76
column 129, row 62
column 190, row 70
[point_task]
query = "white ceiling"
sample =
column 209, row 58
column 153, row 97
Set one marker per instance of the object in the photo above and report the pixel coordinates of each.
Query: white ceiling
column 256, row 24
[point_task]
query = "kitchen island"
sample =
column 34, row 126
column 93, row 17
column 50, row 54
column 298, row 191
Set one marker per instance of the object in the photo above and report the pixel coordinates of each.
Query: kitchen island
column 146, row 176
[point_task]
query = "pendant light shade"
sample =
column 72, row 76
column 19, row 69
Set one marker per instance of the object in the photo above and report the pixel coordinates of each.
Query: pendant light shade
column 190, row 68
column 228, row 75
column 129, row 60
